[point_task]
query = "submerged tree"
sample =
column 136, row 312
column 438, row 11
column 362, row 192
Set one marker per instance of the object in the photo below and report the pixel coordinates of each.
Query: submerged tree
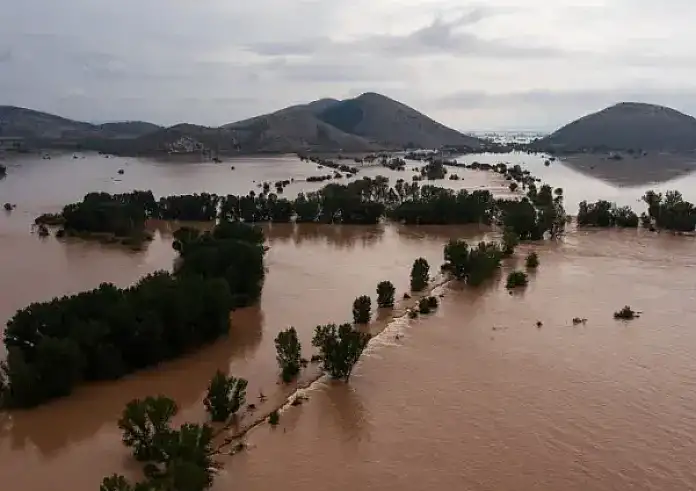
column 510, row 241
column 340, row 348
column 226, row 395
column 419, row 274
column 516, row 279
column 385, row 294
column 362, row 307
column 288, row 353
column 471, row 264
column 145, row 425
column 532, row 260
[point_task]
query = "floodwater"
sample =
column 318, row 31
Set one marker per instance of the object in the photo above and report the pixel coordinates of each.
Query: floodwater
column 474, row 397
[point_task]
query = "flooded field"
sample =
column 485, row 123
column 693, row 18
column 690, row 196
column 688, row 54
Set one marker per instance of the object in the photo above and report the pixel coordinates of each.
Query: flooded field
column 474, row 397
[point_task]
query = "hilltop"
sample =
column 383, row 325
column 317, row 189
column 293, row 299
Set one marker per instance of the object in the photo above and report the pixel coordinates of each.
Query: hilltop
column 387, row 122
column 367, row 123
column 624, row 126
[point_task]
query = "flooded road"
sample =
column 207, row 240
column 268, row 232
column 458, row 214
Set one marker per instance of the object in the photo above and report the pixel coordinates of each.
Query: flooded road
column 474, row 397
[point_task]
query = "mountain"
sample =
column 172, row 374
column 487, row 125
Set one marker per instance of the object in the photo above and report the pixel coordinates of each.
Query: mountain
column 39, row 126
column 368, row 123
column 297, row 128
column 128, row 129
column 387, row 122
column 27, row 123
column 627, row 125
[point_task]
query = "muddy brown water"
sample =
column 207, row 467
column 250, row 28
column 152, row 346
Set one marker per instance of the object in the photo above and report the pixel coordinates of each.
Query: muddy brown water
column 474, row 397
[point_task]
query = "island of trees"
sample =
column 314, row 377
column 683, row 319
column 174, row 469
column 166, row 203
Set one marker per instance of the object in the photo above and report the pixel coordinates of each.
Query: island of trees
column 108, row 332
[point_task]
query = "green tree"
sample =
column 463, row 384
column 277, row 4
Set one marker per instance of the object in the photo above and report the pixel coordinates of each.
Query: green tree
column 419, row 274
column 226, row 395
column 187, row 460
column 516, row 279
column 362, row 307
column 288, row 353
column 532, row 260
column 472, row 264
column 145, row 425
column 340, row 348
column 385, row 294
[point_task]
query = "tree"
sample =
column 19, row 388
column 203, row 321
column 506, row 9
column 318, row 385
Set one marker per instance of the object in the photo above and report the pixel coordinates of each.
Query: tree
column 226, row 395
column 288, row 353
column 510, row 241
column 532, row 260
column 385, row 294
column 516, row 279
column 361, row 309
column 187, row 462
column 419, row 274
column 145, row 426
column 340, row 348
column 471, row 264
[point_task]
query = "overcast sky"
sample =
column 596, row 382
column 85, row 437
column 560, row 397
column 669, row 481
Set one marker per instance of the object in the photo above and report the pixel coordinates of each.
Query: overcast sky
column 498, row 64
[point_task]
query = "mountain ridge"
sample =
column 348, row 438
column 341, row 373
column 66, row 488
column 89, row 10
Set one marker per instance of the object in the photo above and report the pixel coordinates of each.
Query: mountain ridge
column 384, row 124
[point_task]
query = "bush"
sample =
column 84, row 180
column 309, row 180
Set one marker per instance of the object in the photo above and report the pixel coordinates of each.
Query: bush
column 385, row 294
column 288, row 353
column 340, row 348
column 532, row 260
column 427, row 304
column 225, row 396
column 362, row 307
column 517, row 279
column 274, row 418
column 419, row 274
column 626, row 313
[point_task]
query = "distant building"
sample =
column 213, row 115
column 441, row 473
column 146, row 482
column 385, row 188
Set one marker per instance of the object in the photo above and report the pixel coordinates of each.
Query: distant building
column 11, row 143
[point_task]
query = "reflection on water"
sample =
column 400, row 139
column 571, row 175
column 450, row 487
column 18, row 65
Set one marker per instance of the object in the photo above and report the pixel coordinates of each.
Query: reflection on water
column 340, row 236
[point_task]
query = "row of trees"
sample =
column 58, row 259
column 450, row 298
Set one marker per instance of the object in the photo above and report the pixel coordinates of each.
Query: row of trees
column 364, row 201
column 108, row 332
column 176, row 459
column 606, row 214
column 669, row 211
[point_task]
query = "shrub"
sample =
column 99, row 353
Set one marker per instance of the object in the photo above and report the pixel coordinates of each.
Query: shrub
column 427, row 304
column 517, row 279
column 274, row 418
column 626, row 313
column 532, row 260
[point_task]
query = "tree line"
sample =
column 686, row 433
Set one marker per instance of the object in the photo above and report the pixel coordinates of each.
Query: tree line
column 668, row 211
column 107, row 332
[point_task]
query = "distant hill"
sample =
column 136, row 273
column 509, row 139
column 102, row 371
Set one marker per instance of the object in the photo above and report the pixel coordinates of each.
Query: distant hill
column 27, row 123
column 368, row 123
column 128, row 129
column 387, row 122
column 297, row 128
column 627, row 125
column 39, row 126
